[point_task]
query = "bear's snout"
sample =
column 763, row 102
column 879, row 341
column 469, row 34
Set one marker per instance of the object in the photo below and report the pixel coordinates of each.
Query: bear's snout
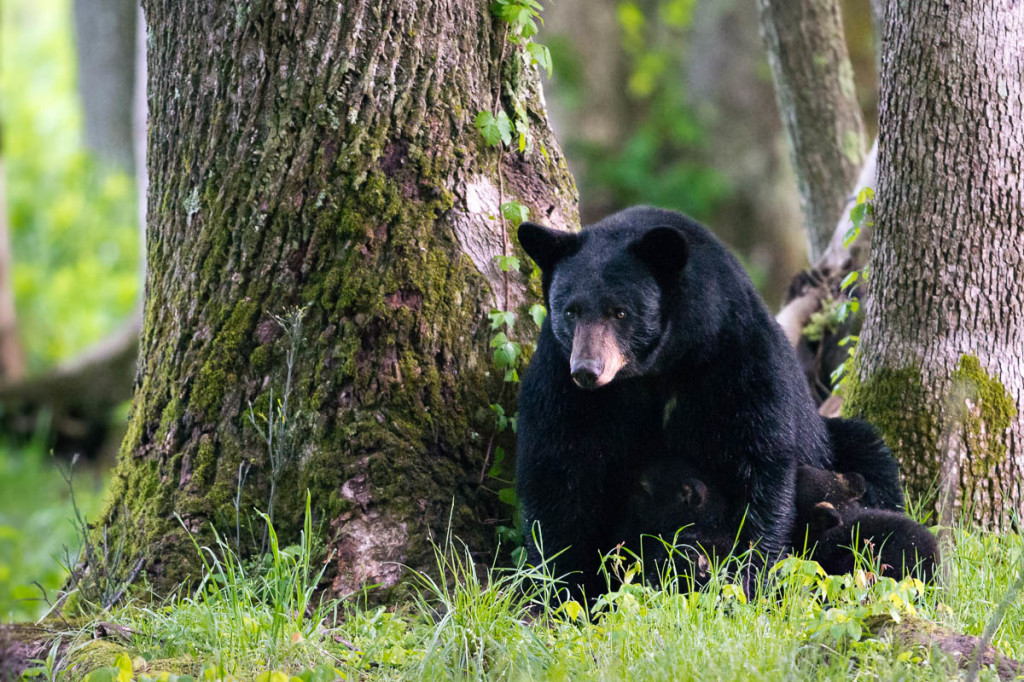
column 596, row 357
column 586, row 372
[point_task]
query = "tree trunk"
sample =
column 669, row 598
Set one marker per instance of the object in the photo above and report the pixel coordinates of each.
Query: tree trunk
column 324, row 155
column 736, row 105
column 105, row 46
column 815, row 88
column 12, row 360
column 939, row 368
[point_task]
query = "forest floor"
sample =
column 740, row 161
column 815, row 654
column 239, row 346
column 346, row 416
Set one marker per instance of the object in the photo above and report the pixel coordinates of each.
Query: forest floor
column 260, row 619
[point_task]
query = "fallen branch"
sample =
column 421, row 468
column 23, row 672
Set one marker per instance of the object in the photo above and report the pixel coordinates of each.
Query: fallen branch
column 916, row 632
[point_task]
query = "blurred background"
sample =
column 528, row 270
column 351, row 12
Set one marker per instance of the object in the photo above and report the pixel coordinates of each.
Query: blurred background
column 666, row 102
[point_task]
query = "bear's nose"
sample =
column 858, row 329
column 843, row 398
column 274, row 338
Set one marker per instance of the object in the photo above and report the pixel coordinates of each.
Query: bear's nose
column 586, row 372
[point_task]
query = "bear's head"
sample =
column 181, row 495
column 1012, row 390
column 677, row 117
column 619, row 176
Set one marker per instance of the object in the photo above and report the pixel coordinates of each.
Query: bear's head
column 837, row 489
column 606, row 293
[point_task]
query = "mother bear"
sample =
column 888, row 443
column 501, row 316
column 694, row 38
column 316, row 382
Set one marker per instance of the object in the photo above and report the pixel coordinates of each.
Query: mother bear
column 656, row 344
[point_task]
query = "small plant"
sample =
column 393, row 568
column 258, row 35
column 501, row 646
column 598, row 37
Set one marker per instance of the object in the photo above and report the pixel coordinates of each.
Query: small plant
column 482, row 616
column 99, row 572
column 275, row 428
column 861, row 216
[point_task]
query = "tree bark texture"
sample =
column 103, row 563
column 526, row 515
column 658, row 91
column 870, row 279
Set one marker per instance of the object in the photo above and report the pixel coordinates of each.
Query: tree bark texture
column 324, row 154
column 815, row 89
column 939, row 367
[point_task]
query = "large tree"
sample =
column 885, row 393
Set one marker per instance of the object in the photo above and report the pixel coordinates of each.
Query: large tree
column 940, row 367
column 325, row 155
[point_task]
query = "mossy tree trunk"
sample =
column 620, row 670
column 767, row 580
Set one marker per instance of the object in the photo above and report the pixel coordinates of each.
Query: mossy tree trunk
column 940, row 367
column 324, row 154
column 815, row 89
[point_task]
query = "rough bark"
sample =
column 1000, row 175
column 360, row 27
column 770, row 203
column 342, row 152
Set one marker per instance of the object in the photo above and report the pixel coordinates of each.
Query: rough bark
column 815, row 88
column 939, row 367
column 105, row 45
column 324, row 155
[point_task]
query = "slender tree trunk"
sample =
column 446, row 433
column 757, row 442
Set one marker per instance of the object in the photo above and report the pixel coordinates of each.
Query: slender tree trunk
column 105, row 42
column 939, row 368
column 815, row 88
column 733, row 101
column 12, row 360
column 324, row 154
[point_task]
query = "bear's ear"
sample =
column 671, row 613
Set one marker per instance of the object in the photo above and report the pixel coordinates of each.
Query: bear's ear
column 825, row 517
column 663, row 249
column 546, row 246
column 853, row 485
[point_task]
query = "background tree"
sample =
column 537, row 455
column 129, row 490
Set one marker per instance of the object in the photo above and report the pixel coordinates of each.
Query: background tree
column 817, row 97
column 665, row 102
column 939, row 367
column 325, row 156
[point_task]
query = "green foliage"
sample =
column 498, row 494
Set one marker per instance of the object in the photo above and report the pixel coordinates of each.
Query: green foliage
column 469, row 620
column 494, row 129
column 74, row 234
column 861, row 216
column 35, row 527
column 661, row 160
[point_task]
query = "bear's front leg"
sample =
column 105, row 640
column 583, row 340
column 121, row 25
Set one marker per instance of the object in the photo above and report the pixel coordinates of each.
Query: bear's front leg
column 770, row 514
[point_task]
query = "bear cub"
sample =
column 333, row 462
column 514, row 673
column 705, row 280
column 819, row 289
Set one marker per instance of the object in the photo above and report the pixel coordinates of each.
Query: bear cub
column 831, row 520
column 672, row 516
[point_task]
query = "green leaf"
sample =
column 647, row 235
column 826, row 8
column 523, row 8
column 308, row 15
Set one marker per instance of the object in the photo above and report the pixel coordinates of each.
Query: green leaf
column 123, row 663
column 851, row 236
column 539, row 313
column 541, row 56
column 502, row 317
column 849, row 280
column 505, row 354
column 515, row 212
column 488, row 128
column 508, row 496
column 499, row 340
column 507, row 263
column 108, row 674
column 494, row 130
column 504, row 128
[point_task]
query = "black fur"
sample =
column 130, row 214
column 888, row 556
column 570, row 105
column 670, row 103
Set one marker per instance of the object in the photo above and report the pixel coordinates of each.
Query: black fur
column 902, row 546
column 831, row 517
column 858, row 447
column 708, row 371
column 672, row 511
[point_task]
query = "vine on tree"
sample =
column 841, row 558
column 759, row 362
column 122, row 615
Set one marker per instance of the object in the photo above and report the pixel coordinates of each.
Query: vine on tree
column 510, row 133
column 861, row 215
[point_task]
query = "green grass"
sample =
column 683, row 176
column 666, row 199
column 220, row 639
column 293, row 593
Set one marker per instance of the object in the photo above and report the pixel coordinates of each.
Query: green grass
column 35, row 526
column 249, row 619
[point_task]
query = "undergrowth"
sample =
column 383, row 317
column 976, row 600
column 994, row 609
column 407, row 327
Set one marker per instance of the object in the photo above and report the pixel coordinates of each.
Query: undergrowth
column 261, row 619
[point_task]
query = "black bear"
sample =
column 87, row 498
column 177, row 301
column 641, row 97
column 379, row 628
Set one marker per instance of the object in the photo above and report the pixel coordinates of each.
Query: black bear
column 656, row 342
column 831, row 520
column 671, row 514
column 841, row 491
column 858, row 448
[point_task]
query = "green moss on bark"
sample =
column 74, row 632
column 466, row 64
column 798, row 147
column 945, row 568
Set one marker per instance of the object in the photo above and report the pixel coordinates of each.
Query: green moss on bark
column 895, row 401
column 986, row 410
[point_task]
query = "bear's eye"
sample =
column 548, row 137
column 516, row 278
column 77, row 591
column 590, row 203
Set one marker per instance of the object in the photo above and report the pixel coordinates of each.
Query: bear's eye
column 620, row 313
column 570, row 314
